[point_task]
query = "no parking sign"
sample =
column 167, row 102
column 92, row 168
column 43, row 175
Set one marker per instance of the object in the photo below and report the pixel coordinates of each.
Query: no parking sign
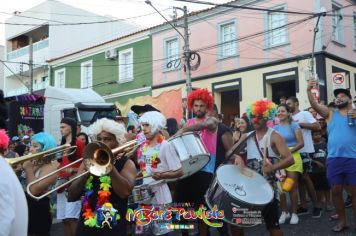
column 339, row 80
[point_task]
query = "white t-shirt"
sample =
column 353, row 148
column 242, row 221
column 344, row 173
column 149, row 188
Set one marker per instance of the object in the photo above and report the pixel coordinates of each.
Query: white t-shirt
column 306, row 117
column 13, row 204
column 169, row 161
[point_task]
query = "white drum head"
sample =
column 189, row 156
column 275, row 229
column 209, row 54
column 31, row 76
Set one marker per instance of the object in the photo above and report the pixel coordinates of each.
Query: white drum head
column 194, row 164
column 250, row 189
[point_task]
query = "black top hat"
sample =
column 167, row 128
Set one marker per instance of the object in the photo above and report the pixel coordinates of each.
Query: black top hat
column 341, row 90
column 141, row 109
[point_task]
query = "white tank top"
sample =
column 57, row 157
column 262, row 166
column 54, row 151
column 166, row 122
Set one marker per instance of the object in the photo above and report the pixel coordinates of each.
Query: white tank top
column 252, row 151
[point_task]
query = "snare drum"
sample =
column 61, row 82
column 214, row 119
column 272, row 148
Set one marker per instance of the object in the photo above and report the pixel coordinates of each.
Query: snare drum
column 191, row 151
column 241, row 196
column 144, row 192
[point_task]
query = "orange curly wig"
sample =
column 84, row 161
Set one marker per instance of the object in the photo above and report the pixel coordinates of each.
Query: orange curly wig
column 201, row 94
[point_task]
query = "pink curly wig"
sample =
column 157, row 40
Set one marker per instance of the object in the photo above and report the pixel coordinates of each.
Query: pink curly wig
column 201, row 94
column 4, row 140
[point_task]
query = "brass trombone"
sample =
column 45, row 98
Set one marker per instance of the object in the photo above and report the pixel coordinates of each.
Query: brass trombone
column 98, row 160
column 43, row 157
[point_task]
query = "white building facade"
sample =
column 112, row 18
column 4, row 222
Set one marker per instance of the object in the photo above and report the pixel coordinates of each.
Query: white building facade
column 55, row 29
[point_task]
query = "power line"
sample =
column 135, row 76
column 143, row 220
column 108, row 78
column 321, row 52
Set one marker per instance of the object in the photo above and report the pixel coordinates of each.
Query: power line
column 19, row 78
column 73, row 23
column 255, row 34
column 257, row 8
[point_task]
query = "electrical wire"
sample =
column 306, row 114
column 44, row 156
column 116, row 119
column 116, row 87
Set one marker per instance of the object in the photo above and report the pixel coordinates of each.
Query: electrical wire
column 60, row 23
column 19, row 78
column 257, row 8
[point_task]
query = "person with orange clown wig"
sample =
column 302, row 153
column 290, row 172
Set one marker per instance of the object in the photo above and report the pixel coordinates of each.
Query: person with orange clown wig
column 276, row 157
column 13, row 205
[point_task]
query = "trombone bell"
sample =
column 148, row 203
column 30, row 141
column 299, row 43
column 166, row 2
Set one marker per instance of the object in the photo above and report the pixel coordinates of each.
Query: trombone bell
column 99, row 158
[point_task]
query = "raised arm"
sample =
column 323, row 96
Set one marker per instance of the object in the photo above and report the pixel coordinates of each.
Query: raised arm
column 210, row 124
column 321, row 109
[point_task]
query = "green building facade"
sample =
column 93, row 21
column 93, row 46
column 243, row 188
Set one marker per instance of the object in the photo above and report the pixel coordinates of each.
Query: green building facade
column 116, row 73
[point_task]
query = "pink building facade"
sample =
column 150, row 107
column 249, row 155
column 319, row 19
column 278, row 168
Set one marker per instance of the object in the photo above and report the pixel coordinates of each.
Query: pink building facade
column 254, row 50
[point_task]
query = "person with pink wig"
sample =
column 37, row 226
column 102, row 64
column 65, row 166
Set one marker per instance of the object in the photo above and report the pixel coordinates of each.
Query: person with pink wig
column 13, row 205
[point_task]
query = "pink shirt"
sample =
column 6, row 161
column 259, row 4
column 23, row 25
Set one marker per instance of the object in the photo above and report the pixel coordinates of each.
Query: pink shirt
column 210, row 141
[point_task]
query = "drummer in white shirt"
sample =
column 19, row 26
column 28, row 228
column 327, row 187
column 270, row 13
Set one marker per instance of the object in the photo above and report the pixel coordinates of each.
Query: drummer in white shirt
column 157, row 158
column 259, row 113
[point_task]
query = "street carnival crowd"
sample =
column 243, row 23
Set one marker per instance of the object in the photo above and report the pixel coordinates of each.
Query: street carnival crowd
column 305, row 155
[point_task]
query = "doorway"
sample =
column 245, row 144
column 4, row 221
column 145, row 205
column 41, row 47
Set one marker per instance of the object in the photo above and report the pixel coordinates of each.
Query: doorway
column 285, row 88
column 230, row 105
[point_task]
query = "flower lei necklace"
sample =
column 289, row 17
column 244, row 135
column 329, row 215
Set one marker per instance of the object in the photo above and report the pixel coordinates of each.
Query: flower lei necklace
column 90, row 216
column 154, row 156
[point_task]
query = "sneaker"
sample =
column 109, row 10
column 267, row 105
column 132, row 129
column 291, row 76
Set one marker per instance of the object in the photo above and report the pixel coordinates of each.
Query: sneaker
column 316, row 212
column 302, row 211
column 348, row 202
column 294, row 219
column 329, row 207
column 284, row 216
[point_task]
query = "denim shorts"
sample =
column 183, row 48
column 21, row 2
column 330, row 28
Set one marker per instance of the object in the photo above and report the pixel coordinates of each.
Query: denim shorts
column 341, row 171
column 307, row 162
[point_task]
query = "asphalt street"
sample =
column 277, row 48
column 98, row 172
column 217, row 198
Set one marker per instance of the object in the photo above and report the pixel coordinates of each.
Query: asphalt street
column 307, row 227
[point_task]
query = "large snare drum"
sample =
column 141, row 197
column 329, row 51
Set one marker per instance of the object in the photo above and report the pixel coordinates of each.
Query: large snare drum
column 144, row 192
column 242, row 196
column 191, row 151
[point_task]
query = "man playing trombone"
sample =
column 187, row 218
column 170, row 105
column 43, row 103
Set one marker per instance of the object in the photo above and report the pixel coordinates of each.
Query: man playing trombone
column 104, row 201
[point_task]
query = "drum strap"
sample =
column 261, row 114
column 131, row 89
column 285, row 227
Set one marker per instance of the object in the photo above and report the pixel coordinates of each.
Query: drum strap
column 237, row 147
column 259, row 148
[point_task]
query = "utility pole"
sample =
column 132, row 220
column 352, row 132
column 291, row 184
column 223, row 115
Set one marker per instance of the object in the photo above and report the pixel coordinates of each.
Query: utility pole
column 187, row 52
column 185, row 37
column 30, row 64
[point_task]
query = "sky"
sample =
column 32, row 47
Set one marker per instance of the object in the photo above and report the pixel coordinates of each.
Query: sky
column 116, row 8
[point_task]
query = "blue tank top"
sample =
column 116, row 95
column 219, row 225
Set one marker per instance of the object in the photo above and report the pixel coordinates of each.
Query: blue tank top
column 342, row 137
column 288, row 133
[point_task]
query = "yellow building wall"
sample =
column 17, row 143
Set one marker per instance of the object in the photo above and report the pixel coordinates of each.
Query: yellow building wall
column 252, row 83
column 329, row 64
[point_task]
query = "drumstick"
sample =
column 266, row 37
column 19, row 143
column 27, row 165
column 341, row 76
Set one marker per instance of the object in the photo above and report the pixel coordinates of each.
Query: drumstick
column 142, row 177
column 264, row 153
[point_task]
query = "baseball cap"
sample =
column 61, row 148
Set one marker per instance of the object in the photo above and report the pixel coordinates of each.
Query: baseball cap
column 15, row 138
column 25, row 137
column 341, row 90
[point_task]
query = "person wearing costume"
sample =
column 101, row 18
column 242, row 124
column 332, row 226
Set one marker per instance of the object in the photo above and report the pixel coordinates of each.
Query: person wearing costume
column 193, row 188
column 264, row 146
column 13, row 206
column 40, row 218
column 157, row 159
column 104, row 199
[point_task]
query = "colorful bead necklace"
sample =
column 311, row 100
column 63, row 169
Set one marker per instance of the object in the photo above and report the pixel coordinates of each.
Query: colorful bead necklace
column 103, row 204
column 154, row 156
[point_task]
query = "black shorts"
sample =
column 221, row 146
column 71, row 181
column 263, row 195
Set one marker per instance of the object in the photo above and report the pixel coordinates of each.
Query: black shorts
column 270, row 215
column 320, row 181
column 193, row 188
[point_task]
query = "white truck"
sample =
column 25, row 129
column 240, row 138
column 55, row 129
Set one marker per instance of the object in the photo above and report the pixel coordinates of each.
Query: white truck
column 84, row 105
